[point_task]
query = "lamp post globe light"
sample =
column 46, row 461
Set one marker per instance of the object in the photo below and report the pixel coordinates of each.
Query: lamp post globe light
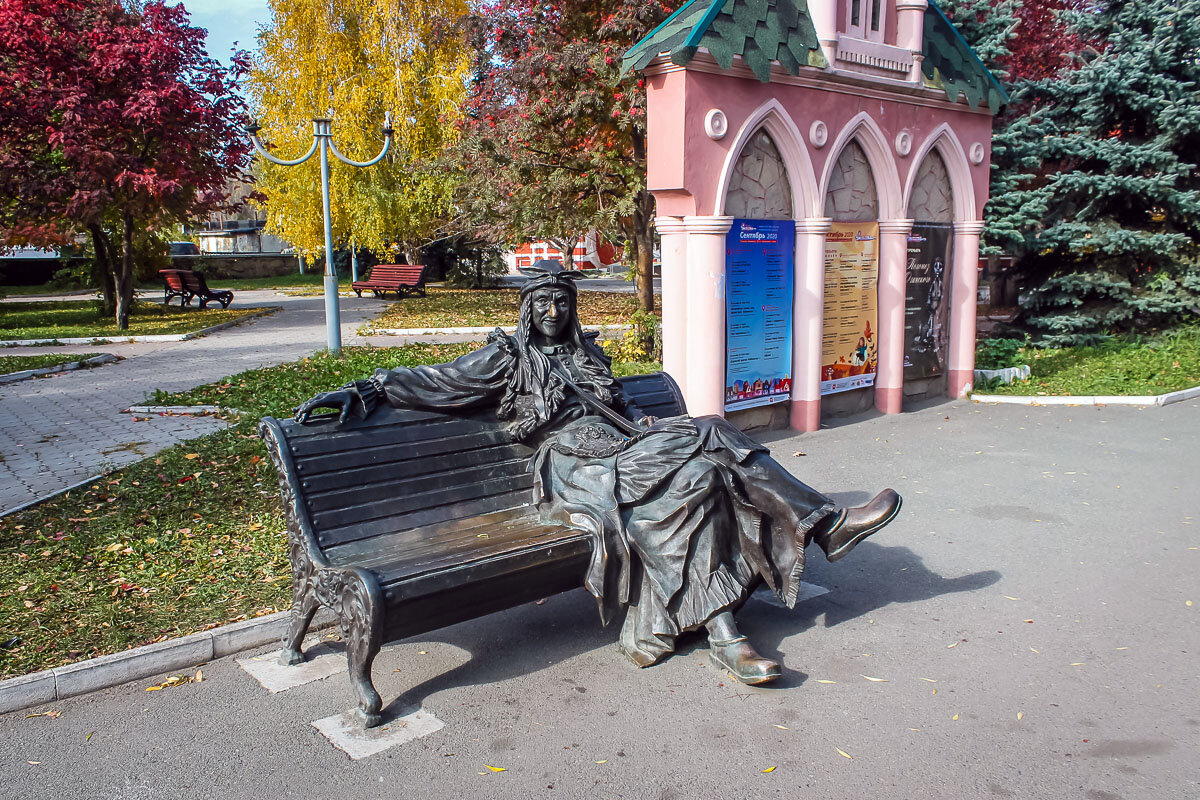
column 323, row 145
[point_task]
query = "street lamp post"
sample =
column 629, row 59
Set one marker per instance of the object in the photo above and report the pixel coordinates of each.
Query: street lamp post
column 323, row 144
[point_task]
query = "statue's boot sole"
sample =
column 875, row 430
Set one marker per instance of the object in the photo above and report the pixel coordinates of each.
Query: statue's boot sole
column 766, row 676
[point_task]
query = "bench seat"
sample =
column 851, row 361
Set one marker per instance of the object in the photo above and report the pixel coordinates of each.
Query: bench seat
column 403, row 279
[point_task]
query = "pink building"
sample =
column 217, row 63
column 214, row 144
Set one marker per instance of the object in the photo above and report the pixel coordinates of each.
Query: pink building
column 872, row 112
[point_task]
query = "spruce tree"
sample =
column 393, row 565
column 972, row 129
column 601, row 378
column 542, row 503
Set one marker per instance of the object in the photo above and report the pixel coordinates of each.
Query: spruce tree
column 1119, row 189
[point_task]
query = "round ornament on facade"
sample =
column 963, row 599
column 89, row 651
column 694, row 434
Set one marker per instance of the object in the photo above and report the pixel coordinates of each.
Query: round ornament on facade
column 976, row 153
column 903, row 142
column 818, row 134
column 715, row 124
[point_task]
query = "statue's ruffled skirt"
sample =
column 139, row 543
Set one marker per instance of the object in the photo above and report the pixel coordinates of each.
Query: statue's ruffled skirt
column 676, row 541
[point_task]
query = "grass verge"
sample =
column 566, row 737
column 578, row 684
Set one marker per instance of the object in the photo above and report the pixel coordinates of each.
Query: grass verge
column 1124, row 365
column 9, row 364
column 188, row 539
column 475, row 308
column 83, row 319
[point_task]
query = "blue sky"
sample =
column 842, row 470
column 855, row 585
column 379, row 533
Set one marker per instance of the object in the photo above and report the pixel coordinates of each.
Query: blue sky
column 228, row 21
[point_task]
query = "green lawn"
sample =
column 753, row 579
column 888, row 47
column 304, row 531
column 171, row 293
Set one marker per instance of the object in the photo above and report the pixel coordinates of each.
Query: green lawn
column 21, row 363
column 189, row 539
column 1124, row 365
column 475, row 308
column 82, row 319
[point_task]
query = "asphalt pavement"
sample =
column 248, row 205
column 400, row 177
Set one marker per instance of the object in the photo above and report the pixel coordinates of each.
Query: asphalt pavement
column 1026, row 628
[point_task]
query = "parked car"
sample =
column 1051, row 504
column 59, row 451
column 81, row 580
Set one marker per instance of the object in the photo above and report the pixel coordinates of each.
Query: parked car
column 184, row 249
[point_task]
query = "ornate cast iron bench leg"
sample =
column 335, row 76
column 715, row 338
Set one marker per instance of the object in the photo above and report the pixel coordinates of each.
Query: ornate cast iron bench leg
column 358, row 606
column 304, row 608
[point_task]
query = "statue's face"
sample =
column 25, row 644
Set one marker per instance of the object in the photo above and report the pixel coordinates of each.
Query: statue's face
column 551, row 311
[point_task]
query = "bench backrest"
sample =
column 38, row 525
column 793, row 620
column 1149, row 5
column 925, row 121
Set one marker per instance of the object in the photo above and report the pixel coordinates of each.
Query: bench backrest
column 407, row 274
column 173, row 278
column 401, row 470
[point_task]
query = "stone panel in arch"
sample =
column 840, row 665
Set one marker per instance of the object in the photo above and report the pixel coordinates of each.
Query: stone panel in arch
column 932, row 198
column 851, row 196
column 759, row 187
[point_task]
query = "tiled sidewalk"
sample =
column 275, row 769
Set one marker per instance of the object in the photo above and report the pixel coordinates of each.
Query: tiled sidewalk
column 58, row 431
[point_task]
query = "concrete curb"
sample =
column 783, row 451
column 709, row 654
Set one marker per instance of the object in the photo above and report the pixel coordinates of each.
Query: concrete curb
column 25, row 374
column 165, row 337
column 173, row 655
column 1090, row 400
column 52, row 495
column 436, row 331
column 190, row 411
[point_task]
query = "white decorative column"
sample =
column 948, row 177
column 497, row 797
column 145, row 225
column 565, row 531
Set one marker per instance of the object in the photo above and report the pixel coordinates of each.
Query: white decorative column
column 823, row 14
column 910, row 31
column 705, row 314
column 893, row 279
column 964, row 286
column 673, row 248
column 808, row 311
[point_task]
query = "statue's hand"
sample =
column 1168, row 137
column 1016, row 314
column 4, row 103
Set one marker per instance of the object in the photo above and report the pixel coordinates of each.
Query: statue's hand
column 345, row 400
column 647, row 421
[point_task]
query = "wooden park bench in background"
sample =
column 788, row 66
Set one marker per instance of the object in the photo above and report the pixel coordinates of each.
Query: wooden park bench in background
column 186, row 284
column 409, row 521
column 403, row 279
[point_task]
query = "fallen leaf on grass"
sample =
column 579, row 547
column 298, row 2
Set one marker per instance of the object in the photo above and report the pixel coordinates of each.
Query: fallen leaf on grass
column 192, row 456
column 874, row 680
column 769, row 769
column 844, row 753
column 496, row 769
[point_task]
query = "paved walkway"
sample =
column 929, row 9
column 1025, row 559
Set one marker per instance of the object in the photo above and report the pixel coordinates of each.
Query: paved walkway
column 58, row 431
column 1026, row 628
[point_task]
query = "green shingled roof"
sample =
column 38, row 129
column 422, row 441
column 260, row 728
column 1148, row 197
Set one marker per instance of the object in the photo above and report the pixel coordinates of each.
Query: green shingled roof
column 760, row 31
column 952, row 66
column 763, row 31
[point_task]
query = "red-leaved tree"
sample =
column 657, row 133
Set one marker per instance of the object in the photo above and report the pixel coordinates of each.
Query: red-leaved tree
column 115, row 123
column 554, row 137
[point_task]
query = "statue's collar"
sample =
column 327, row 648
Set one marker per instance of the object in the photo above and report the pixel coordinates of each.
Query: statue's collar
column 556, row 350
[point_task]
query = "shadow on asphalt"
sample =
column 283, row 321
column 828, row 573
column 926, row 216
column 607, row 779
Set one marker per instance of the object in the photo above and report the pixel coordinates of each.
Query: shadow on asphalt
column 525, row 639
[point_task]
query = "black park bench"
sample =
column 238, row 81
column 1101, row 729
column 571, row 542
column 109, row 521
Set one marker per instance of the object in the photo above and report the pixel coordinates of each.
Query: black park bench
column 409, row 521
column 403, row 279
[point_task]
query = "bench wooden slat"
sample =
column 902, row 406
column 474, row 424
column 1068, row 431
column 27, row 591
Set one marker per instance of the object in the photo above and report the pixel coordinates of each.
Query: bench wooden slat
column 401, row 434
column 412, row 484
column 312, row 466
column 432, row 498
column 427, row 516
column 396, row 469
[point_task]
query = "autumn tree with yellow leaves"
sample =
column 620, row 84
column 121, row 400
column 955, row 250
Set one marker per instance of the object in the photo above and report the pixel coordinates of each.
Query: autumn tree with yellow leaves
column 360, row 59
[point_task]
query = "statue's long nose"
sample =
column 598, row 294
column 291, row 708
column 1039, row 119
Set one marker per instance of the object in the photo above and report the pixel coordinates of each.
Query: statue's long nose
column 552, row 312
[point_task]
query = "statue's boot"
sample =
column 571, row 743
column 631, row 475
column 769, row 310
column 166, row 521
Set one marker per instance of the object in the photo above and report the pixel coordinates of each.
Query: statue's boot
column 730, row 651
column 855, row 524
column 740, row 660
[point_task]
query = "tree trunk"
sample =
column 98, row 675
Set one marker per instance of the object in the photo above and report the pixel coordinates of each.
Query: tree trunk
column 104, row 268
column 566, row 245
column 124, row 276
column 641, row 234
column 412, row 255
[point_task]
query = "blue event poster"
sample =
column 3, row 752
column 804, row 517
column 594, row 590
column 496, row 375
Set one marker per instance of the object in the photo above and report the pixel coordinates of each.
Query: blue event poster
column 758, row 312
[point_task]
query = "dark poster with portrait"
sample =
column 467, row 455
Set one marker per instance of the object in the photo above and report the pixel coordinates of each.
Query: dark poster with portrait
column 927, row 306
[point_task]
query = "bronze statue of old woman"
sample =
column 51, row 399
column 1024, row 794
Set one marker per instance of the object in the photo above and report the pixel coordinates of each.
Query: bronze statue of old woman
column 687, row 515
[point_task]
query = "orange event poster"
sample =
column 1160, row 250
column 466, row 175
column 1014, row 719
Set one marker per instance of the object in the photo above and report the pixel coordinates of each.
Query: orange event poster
column 849, row 345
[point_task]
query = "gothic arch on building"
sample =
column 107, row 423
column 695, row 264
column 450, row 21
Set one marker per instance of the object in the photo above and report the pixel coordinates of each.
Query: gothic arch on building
column 943, row 142
column 931, row 197
column 851, row 195
column 759, row 186
column 772, row 120
column 864, row 132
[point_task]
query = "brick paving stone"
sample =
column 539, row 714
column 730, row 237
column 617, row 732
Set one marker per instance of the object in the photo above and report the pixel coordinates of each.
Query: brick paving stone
column 58, row 431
